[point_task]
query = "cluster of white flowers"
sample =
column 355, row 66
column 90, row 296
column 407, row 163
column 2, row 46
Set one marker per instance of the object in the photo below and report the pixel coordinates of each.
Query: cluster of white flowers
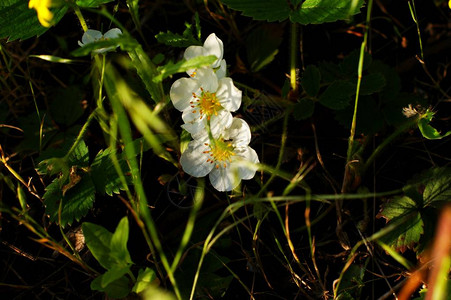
column 220, row 145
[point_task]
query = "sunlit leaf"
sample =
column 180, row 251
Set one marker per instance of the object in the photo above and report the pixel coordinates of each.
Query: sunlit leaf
column 145, row 278
column 182, row 66
column 408, row 232
column 98, row 240
column 427, row 130
column 118, row 243
column 322, row 11
column 91, row 3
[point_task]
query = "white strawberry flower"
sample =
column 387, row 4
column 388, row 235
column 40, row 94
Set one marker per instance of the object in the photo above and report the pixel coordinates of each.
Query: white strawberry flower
column 225, row 158
column 91, row 36
column 212, row 46
column 205, row 99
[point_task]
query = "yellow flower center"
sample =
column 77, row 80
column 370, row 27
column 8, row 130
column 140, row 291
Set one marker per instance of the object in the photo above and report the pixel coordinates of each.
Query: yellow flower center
column 220, row 153
column 207, row 104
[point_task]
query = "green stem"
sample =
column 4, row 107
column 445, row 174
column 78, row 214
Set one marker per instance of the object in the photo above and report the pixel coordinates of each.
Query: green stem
column 80, row 18
column 359, row 81
column 413, row 12
column 81, row 134
column 293, row 56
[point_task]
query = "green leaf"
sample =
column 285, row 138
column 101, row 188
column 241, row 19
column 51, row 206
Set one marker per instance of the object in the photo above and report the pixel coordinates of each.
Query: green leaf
column 17, row 21
column 262, row 45
column 390, row 92
column 310, row 80
column 182, row 66
column 77, row 199
column 126, row 43
column 303, row 109
column 118, row 243
column 438, row 188
column 269, row 10
column 80, row 155
column 403, row 212
column 177, row 40
column 146, row 71
column 117, row 289
column 145, row 278
column 133, row 7
column 322, row 11
column 337, row 95
column 104, row 175
column 371, row 84
column 113, row 274
column 91, row 3
column 427, row 130
column 98, row 240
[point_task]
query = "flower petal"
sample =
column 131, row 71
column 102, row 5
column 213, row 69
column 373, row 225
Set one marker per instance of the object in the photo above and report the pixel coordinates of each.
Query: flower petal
column 194, row 160
column 222, row 70
column 214, row 46
column 228, row 95
column 223, row 179
column 207, row 79
column 194, row 51
column 239, row 132
column 112, row 33
column 219, row 123
column 247, row 154
column 90, row 36
column 181, row 92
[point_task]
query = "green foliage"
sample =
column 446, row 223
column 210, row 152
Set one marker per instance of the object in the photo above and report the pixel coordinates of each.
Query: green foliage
column 352, row 282
column 182, row 66
column 310, row 80
column 303, row 109
column 189, row 37
column 110, row 250
column 322, row 11
column 269, row 10
column 145, row 278
column 74, row 189
column 17, row 21
column 417, row 209
column 427, row 130
column 125, row 42
column 337, row 95
column 91, row 3
column 260, row 54
column 309, row 12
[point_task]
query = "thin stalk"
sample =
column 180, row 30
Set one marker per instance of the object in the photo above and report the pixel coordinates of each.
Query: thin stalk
column 142, row 203
column 293, row 57
column 81, row 134
column 80, row 18
column 413, row 12
column 359, row 81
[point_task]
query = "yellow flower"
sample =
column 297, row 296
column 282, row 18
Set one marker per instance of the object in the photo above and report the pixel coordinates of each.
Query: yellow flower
column 42, row 7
